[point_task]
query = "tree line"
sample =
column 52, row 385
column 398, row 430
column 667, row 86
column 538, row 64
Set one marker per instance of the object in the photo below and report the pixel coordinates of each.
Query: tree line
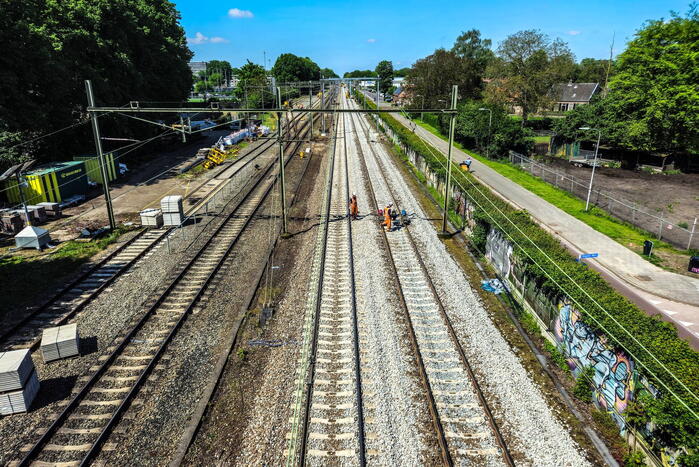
column 649, row 99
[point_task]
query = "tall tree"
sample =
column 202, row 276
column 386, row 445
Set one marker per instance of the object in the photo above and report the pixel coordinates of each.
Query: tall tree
column 360, row 74
column 529, row 63
column 328, row 73
column 475, row 55
column 431, row 78
column 131, row 50
column 384, row 71
column 592, row 70
column 290, row 67
column 653, row 99
column 655, row 94
column 253, row 90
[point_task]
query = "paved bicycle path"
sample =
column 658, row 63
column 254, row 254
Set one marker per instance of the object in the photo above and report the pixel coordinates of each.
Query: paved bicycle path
column 653, row 289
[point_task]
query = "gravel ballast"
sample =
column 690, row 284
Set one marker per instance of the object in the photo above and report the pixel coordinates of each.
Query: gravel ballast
column 529, row 425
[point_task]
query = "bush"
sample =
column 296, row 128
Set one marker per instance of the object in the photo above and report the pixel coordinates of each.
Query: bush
column 557, row 356
column 635, row 459
column 583, row 384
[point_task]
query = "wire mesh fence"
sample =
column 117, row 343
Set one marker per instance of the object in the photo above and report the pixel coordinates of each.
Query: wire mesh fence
column 679, row 232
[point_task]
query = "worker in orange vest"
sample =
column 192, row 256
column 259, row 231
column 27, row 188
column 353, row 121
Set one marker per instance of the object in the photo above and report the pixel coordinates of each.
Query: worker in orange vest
column 387, row 217
column 354, row 207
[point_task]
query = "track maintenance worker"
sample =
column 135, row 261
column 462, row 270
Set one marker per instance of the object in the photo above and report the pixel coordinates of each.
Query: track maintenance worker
column 387, row 217
column 354, row 207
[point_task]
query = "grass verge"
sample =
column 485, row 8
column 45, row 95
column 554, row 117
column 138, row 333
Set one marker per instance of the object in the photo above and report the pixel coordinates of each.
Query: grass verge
column 24, row 278
column 624, row 233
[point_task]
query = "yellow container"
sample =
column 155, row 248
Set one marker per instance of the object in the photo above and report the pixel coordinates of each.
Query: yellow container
column 92, row 165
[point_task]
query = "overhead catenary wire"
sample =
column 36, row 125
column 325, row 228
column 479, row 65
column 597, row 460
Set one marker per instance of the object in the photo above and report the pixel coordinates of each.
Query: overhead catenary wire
column 562, row 288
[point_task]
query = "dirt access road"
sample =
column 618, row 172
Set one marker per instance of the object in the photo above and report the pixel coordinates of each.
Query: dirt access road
column 677, row 195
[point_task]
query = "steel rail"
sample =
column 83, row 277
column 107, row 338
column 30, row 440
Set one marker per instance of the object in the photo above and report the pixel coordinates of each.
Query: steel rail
column 204, row 404
column 319, row 300
column 431, row 403
column 116, row 415
column 8, row 333
column 507, row 457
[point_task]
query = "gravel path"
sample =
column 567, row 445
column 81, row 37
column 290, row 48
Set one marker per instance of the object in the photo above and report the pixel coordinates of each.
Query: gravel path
column 528, row 423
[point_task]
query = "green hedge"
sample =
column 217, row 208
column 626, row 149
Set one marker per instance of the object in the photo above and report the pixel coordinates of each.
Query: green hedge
column 674, row 424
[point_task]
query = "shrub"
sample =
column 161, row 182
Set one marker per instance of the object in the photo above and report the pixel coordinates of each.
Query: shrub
column 583, row 384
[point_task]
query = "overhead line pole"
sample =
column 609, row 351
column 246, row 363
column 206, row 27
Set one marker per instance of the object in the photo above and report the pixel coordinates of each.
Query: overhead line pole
column 310, row 104
column 284, row 233
column 452, row 118
column 100, row 155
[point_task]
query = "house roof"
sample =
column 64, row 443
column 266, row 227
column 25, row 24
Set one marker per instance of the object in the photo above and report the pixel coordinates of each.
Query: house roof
column 574, row 92
column 397, row 91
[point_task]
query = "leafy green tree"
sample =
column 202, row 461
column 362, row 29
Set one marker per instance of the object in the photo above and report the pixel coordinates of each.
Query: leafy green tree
column 360, row 74
column 402, row 72
column 328, row 73
column 289, row 68
column 432, row 77
column 473, row 130
column 130, row 50
column 528, row 64
column 475, row 55
column 592, row 70
column 253, row 89
column 384, row 71
column 654, row 97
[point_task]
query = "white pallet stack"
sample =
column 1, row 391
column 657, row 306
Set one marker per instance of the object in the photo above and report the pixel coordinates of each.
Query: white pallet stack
column 60, row 342
column 19, row 382
column 152, row 218
column 173, row 213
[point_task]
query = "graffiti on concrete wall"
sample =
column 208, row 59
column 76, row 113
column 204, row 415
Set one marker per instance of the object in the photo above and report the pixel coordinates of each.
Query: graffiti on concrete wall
column 499, row 251
column 613, row 378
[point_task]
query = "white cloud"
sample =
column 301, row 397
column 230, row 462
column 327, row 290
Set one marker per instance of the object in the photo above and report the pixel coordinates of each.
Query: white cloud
column 573, row 33
column 219, row 40
column 238, row 13
column 198, row 38
column 371, row 41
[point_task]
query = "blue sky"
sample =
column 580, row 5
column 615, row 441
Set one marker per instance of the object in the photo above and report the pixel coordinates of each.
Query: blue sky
column 348, row 35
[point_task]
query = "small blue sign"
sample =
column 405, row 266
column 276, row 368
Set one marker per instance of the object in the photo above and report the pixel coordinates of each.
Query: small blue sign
column 589, row 255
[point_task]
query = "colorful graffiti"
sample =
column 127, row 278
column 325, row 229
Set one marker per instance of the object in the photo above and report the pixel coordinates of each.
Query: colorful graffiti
column 499, row 251
column 613, row 378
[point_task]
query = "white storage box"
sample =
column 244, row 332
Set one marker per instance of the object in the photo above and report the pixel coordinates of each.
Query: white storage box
column 171, row 203
column 172, row 218
column 20, row 401
column 152, row 218
column 15, row 368
column 60, row 342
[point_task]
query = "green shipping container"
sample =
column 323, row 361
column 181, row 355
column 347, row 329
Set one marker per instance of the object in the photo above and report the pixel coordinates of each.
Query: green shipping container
column 53, row 183
column 92, row 165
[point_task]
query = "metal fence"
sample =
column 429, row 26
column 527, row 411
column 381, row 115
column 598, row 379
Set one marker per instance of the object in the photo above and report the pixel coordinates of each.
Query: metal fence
column 681, row 233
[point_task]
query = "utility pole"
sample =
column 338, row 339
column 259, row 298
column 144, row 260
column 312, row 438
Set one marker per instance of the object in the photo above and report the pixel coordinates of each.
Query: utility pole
column 322, row 101
column 184, row 137
column 310, row 106
column 452, row 118
column 281, row 162
column 377, row 108
column 594, row 164
column 98, row 146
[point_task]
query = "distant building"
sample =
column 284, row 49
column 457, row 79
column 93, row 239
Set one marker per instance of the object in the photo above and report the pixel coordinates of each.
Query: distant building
column 569, row 96
column 398, row 81
column 196, row 67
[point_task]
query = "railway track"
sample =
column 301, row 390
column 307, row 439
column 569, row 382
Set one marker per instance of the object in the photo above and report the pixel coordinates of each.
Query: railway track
column 466, row 430
column 73, row 298
column 79, row 433
column 330, row 429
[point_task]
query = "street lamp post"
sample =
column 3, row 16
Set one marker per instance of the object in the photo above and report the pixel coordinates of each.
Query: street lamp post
column 594, row 163
column 422, row 114
column 490, row 134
